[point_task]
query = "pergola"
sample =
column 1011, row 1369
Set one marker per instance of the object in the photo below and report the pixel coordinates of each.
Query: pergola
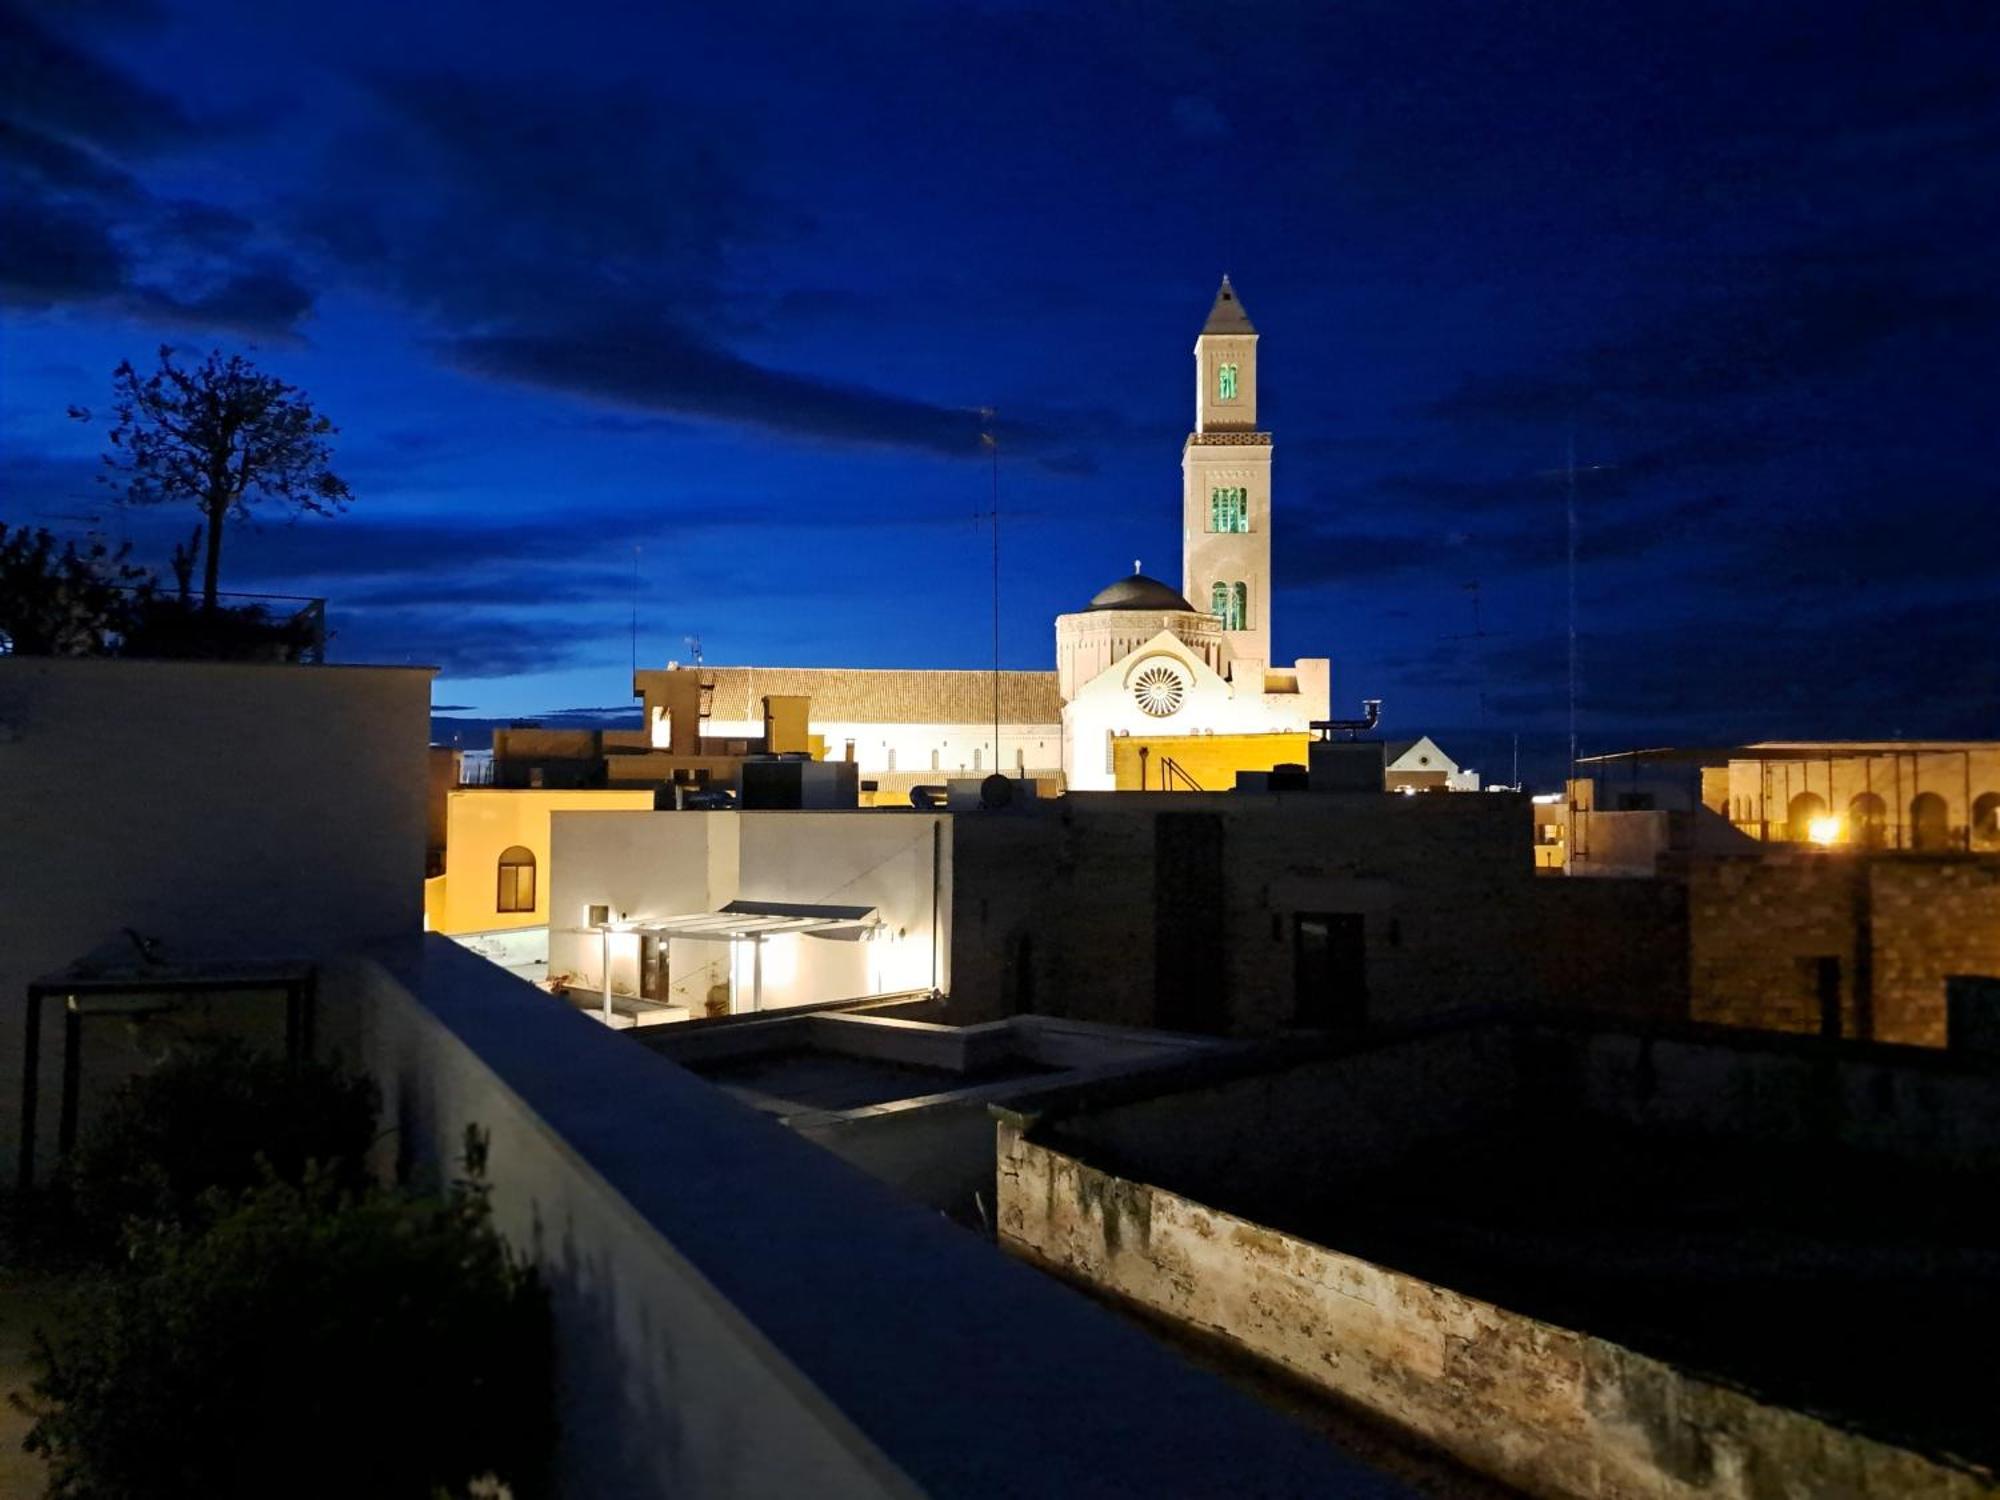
column 752, row 922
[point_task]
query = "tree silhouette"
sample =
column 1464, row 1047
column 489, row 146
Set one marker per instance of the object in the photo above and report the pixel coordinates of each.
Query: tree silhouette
column 223, row 435
column 65, row 602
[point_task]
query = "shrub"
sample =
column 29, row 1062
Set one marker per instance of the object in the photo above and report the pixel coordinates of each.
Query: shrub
column 221, row 1116
column 306, row 1341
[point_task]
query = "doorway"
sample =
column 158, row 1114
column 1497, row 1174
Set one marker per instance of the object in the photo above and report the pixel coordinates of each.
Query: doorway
column 1330, row 970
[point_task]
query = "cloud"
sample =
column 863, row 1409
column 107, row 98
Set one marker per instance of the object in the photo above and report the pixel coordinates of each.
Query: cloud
column 459, row 643
column 1512, row 546
column 54, row 253
column 660, row 368
column 49, row 81
column 1769, row 323
column 83, row 230
column 1824, row 675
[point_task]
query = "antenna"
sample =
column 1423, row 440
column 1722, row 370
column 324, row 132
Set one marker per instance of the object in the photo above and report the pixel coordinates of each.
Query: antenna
column 1568, row 473
column 694, row 647
column 635, row 609
column 991, row 439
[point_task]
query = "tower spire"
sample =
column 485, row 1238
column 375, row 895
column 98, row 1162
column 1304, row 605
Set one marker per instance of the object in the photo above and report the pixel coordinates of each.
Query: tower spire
column 1227, row 315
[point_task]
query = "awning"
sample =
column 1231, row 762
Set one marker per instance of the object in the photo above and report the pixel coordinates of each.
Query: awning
column 761, row 919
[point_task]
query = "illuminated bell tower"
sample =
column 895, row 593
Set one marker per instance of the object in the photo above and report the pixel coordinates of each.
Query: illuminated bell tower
column 1226, row 492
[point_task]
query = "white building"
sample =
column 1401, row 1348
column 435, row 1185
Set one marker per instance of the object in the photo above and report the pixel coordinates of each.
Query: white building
column 723, row 913
column 1420, row 765
column 1140, row 658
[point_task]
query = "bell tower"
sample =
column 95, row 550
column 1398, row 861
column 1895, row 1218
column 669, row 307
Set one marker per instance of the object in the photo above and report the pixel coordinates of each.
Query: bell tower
column 1226, row 492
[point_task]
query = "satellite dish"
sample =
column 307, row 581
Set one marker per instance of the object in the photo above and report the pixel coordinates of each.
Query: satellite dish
column 996, row 791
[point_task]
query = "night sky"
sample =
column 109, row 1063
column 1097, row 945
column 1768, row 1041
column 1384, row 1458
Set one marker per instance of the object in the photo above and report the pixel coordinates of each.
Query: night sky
column 725, row 284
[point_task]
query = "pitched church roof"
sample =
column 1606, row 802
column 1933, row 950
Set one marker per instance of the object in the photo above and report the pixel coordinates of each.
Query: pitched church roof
column 1227, row 316
column 847, row 695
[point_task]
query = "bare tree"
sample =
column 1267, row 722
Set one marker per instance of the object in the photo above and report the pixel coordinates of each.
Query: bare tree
column 224, row 436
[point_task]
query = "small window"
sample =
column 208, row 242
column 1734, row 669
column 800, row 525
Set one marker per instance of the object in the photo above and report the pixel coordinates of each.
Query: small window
column 976, row 754
column 934, row 760
column 1230, row 603
column 891, row 759
column 1225, row 383
column 1229, row 509
column 517, row 880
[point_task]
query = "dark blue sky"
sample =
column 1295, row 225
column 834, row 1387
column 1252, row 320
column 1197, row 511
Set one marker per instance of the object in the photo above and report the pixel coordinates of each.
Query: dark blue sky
column 725, row 284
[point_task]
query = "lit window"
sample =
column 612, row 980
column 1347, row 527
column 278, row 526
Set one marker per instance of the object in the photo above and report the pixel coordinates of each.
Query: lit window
column 1230, row 603
column 517, row 880
column 1225, row 383
column 1229, row 509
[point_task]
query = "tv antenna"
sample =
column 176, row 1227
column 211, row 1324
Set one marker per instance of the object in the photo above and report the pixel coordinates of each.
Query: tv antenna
column 694, row 648
column 990, row 438
column 1569, row 473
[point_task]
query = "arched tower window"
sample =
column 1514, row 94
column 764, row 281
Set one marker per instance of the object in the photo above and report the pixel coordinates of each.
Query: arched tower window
column 1225, row 382
column 1799, row 815
column 1930, row 822
column 517, row 880
column 1218, row 603
column 1986, row 821
column 1229, row 508
column 1868, row 818
column 1239, row 606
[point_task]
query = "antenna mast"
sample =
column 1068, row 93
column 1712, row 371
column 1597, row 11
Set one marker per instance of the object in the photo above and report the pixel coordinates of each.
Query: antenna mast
column 991, row 439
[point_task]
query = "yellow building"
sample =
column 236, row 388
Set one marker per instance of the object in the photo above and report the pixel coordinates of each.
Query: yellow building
column 1199, row 762
column 496, row 855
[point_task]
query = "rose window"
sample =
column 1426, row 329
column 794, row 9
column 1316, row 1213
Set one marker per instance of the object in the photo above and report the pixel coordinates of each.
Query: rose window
column 1158, row 690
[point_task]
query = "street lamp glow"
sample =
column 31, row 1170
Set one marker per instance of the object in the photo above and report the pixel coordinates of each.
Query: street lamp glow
column 1823, row 831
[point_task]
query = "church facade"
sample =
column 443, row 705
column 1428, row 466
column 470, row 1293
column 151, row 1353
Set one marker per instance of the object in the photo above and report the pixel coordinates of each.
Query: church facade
column 1141, row 659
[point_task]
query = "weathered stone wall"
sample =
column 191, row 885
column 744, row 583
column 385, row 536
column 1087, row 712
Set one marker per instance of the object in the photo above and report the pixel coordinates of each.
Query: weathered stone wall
column 1900, row 926
column 1751, row 922
column 1557, row 1412
column 1061, row 904
column 1930, row 919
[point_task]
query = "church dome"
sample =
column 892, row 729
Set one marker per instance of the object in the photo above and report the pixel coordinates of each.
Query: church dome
column 1140, row 592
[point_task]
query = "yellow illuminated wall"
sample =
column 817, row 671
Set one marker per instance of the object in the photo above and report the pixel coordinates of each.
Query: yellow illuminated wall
column 1210, row 760
column 480, row 825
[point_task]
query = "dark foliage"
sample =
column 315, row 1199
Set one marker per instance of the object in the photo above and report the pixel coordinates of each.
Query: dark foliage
column 309, row 1342
column 175, row 629
column 62, row 601
column 221, row 1116
column 222, row 436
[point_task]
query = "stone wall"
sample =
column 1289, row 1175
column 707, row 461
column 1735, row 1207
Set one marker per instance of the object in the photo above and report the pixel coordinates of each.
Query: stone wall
column 1617, row 947
column 1930, row 919
column 1751, row 924
column 1898, row 925
column 1059, row 907
column 1555, row 1411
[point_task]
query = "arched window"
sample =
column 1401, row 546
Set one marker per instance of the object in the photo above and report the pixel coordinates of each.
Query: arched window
column 1868, row 818
column 1799, row 815
column 1930, row 822
column 1239, row 607
column 1986, row 821
column 1225, row 382
column 517, row 880
column 1218, row 603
